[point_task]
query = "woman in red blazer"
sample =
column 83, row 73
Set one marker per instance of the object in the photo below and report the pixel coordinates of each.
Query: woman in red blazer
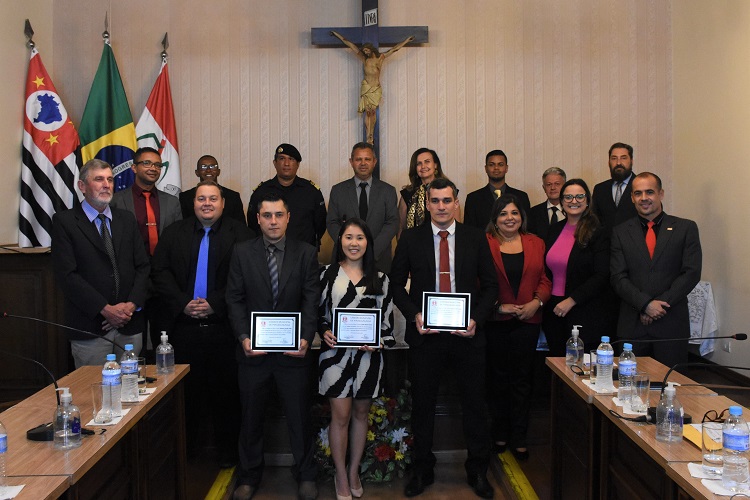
column 514, row 329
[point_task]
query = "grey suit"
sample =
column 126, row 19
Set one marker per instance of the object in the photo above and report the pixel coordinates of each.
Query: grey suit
column 670, row 276
column 382, row 215
column 169, row 206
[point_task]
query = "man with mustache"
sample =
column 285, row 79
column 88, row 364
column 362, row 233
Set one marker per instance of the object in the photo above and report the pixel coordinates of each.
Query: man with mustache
column 102, row 268
column 611, row 198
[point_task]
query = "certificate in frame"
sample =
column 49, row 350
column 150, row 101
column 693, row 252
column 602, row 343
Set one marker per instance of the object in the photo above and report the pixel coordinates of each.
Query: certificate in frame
column 448, row 312
column 275, row 331
column 356, row 327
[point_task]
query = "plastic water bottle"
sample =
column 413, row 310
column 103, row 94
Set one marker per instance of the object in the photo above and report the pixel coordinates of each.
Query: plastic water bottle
column 129, row 364
column 604, row 360
column 574, row 348
column 112, row 390
column 736, row 442
column 627, row 368
column 669, row 415
column 67, row 422
column 164, row 356
column 3, row 454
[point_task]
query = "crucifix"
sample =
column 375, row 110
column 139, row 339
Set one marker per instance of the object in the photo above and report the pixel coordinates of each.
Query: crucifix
column 369, row 37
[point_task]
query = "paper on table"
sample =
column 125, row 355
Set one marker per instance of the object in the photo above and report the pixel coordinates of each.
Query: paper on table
column 10, row 491
column 715, row 487
column 598, row 391
column 696, row 470
column 114, row 421
column 143, row 396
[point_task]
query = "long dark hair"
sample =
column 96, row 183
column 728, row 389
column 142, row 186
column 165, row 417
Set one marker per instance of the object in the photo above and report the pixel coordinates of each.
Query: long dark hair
column 588, row 222
column 373, row 283
column 498, row 207
column 414, row 180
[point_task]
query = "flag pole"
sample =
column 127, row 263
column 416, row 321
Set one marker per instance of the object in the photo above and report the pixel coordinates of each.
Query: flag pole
column 165, row 46
column 29, row 32
column 105, row 34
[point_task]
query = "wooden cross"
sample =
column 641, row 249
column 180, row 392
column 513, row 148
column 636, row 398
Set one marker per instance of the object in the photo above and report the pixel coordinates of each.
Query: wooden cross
column 371, row 33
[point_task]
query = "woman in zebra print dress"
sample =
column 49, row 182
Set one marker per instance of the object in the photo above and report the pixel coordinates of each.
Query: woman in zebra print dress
column 350, row 377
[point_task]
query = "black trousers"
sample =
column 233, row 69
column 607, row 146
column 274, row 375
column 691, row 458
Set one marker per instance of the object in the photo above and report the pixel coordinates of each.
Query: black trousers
column 211, row 392
column 426, row 364
column 511, row 349
column 255, row 383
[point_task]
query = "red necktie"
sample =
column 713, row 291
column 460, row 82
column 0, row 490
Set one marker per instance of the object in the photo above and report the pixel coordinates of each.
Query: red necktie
column 650, row 238
column 445, row 263
column 153, row 231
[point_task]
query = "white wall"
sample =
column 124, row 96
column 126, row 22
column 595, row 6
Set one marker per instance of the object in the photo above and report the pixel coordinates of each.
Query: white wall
column 711, row 135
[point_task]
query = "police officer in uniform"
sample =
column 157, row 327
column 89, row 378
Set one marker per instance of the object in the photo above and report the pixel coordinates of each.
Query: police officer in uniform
column 306, row 205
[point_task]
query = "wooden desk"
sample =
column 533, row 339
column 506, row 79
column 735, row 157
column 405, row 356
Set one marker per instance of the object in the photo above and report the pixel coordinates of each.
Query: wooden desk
column 139, row 456
column 592, row 449
column 39, row 487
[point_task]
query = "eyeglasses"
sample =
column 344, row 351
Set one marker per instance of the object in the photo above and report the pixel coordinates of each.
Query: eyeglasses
column 714, row 416
column 570, row 197
column 208, row 167
column 149, row 163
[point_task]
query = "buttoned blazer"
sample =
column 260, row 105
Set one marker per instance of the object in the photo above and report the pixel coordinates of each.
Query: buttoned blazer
column 474, row 273
column 249, row 289
column 84, row 272
column 603, row 204
column 382, row 216
column 670, row 276
column 233, row 206
column 169, row 206
column 171, row 265
column 478, row 208
column 534, row 280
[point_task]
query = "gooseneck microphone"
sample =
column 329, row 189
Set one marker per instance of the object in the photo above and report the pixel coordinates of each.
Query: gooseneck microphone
column 66, row 327
column 736, row 336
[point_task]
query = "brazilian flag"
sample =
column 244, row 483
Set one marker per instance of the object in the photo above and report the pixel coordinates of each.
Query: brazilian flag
column 107, row 131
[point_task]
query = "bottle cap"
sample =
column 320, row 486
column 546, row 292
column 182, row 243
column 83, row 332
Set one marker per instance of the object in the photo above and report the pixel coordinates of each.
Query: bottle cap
column 164, row 337
column 735, row 410
column 669, row 390
column 111, row 357
column 626, row 346
column 605, row 339
column 575, row 331
column 128, row 347
column 66, row 396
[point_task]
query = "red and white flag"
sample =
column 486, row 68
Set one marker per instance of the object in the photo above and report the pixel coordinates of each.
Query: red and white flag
column 156, row 128
column 51, row 158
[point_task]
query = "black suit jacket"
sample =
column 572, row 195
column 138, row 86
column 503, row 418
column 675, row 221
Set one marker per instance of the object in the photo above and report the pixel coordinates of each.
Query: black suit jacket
column 670, row 276
column 249, row 289
column 171, row 265
column 478, row 207
column 474, row 271
column 537, row 221
column 603, row 204
column 233, row 206
column 84, row 272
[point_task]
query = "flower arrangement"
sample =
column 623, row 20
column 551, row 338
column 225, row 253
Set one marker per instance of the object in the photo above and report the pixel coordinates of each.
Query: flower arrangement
column 388, row 449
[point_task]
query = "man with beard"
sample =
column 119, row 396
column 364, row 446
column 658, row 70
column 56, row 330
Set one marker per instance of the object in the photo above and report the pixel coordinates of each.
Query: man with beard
column 479, row 203
column 102, row 268
column 655, row 263
column 611, row 201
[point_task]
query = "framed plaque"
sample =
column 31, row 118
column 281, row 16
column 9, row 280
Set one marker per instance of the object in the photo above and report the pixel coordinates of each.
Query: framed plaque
column 448, row 312
column 275, row 331
column 356, row 327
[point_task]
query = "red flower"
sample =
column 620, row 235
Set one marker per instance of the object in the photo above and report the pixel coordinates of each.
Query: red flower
column 391, row 404
column 384, row 452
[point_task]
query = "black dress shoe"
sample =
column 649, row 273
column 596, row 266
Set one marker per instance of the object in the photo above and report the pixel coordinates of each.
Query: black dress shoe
column 498, row 449
column 520, row 455
column 481, row 486
column 244, row 492
column 417, row 484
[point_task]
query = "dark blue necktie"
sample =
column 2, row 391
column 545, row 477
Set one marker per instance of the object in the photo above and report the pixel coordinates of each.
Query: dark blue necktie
column 201, row 271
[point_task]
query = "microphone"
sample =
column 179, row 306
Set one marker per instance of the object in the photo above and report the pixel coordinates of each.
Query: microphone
column 43, row 432
column 52, row 323
column 736, row 336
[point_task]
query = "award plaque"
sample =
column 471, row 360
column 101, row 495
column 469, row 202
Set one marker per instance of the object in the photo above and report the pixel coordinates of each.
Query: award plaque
column 446, row 311
column 356, row 327
column 275, row 331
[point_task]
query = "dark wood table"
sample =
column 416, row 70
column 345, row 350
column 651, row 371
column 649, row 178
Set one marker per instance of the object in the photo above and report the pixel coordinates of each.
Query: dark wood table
column 143, row 456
